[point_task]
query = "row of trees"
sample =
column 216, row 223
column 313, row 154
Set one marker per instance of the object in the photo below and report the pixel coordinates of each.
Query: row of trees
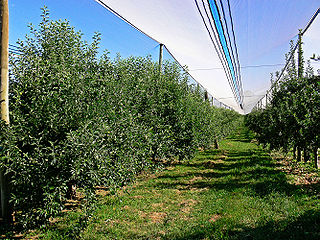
column 291, row 120
column 78, row 119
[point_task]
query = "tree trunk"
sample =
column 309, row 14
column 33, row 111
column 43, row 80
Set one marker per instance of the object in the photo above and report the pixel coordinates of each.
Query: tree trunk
column 306, row 155
column 71, row 190
column 294, row 151
column 5, row 209
column 299, row 154
column 154, row 154
column 216, row 145
column 316, row 160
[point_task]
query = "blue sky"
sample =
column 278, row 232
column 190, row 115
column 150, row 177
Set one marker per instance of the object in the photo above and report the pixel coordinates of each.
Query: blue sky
column 87, row 16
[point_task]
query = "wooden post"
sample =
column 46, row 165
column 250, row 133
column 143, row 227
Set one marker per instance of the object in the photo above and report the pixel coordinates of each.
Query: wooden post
column 4, row 106
column 160, row 58
column 4, row 61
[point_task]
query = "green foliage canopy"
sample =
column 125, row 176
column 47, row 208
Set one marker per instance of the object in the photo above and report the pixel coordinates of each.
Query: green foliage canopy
column 79, row 119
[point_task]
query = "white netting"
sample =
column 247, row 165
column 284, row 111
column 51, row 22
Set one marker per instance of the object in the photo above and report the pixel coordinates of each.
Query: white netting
column 262, row 29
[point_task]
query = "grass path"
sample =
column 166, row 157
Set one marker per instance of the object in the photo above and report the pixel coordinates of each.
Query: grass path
column 236, row 192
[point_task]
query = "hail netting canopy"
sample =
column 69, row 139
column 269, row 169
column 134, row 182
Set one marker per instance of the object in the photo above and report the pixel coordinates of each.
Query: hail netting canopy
column 229, row 46
column 311, row 44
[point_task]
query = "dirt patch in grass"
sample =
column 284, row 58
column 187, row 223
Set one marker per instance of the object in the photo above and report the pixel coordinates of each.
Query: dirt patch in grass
column 157, row 217
column 301, row 175
column 212, row 164
column 201, row 149
column 199, row 189
column 188, row 202
column 218, row 161
column 102, row 191
column 186, row 210
column 126, row 207
column 223, row 157
column 214, row 218
column 157, row 205
column 186, row 207
column 137, row 197
column 155, row 193
column 170, row 168
column 142, row 214
column 209, row 164
column 177, row 191
column 112, row 222
column 194, row 179
column 307, row 179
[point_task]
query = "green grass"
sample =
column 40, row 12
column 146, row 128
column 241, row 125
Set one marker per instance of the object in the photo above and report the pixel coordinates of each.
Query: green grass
column 236, row 192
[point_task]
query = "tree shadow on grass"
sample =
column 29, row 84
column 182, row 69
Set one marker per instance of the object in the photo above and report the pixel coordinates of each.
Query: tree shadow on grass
column 243, row 136
column 252, row 169
column 304, row 227
column 8, row 231
column 256, row 171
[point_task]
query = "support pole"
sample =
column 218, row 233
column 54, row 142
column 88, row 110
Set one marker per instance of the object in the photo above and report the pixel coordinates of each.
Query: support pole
column 4, row 106
column 300, row 56
column 160, row 58
column 266, row 99
column 206, row 96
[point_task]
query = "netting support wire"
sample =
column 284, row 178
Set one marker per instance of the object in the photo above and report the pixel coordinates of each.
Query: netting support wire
column 294, row 49
column 236, row 48
column 311, row 21
column 234, row 63
column 223, row 39
column 218, row 48
column 124, row 19
column 215, row 14
column 234, row 55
